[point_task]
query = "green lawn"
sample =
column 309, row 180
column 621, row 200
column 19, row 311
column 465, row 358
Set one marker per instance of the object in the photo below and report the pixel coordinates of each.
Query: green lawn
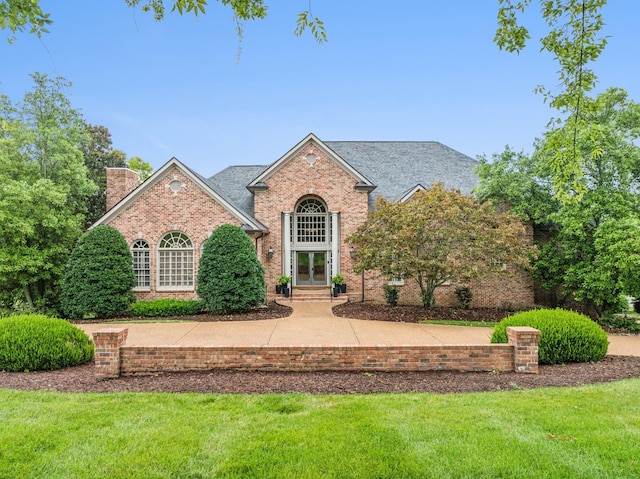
column 453, row 322
column 589, row 432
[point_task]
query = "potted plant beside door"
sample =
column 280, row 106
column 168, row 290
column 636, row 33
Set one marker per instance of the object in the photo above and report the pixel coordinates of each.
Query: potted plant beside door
column 283, row 282
column 337, row 284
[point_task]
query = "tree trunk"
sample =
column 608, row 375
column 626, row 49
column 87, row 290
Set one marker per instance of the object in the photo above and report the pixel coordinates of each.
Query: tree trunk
column 27, row 295
column 427, row 292
column 427, row 298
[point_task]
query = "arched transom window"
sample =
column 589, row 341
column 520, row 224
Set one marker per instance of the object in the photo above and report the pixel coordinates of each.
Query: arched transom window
column 140, row 252
column 311, row 221
column 175, row 258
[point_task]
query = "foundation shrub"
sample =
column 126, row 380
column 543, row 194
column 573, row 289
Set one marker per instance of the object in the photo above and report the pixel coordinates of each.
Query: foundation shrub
column 465, row 296
column 167, row 307
column 99, row 275
column 391, row 294
column 565, row 336
column 37, row 342
column 230, row 276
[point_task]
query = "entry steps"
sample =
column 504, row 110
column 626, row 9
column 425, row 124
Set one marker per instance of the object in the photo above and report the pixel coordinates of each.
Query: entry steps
column 300, row 294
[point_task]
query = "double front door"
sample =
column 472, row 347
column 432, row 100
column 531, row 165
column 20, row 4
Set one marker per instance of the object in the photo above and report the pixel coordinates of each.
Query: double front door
column 311, row 268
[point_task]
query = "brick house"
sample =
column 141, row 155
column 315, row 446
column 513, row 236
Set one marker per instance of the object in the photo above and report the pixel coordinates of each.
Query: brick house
column 298, row 211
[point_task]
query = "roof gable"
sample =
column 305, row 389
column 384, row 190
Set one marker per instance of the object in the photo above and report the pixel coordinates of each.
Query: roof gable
column 311, row 140
column 409, row 194
column 246, row 220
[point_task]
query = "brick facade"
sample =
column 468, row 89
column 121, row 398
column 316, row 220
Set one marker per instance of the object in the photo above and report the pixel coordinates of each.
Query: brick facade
column 174, row 199
column 295, row 180
column 160, row 210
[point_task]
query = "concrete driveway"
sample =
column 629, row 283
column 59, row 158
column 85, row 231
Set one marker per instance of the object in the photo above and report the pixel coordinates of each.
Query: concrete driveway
column 315, row 324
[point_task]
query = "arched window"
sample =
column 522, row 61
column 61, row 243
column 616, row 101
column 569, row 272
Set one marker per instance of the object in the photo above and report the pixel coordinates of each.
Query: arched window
column 311, row 221
column 175, row 261
column 140, row 251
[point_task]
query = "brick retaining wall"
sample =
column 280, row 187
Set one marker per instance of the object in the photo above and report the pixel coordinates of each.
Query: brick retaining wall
column 114, row 358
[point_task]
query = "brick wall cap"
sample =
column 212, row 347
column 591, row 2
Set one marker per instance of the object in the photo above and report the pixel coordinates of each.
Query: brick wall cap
column 523, row 329
column 110, row 331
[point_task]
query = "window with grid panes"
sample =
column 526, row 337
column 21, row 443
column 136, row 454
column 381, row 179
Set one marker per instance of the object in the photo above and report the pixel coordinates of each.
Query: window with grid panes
column 311, row 222
column 140, row 252
column 175, row 261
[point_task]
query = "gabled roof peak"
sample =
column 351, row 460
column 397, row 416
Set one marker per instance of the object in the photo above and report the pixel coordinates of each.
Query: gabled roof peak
column 310, row 139
column 201, row 182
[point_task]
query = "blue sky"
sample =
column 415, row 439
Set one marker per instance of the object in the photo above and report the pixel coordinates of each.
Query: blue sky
column 414, row 70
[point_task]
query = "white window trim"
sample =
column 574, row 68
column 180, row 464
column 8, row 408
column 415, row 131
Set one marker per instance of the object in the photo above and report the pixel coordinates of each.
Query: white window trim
column 139, row 250
column 396, row 281
column 190, row 287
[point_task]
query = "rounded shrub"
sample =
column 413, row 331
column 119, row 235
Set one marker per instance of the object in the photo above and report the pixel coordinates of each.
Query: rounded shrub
column 36, row 342
column 99, row 275
column 230, row 277
column 565, row 336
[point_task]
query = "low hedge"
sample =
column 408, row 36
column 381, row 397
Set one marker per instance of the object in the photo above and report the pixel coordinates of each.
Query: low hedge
column 565, row 336
column 167, row 307
column 36, row 342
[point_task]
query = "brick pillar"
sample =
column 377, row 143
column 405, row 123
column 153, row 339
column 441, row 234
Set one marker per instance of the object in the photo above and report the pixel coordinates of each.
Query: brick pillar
column 107, row 357
column 120, row 182
column 525, row 347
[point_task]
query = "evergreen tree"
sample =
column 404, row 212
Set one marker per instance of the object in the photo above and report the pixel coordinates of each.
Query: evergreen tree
column 99, row 275
column 230, row 277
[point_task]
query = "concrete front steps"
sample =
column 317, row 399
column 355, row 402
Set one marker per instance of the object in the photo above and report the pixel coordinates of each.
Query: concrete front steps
column 301, row 294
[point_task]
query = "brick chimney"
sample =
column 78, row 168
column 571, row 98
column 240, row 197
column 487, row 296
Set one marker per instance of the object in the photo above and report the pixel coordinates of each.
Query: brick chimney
column 120, row 182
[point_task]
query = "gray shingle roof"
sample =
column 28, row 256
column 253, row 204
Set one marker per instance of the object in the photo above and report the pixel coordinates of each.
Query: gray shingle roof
column 398, row 166
column 232, row 184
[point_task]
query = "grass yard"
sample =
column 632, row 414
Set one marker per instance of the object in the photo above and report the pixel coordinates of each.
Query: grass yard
column 475, row 324
column 588, row 432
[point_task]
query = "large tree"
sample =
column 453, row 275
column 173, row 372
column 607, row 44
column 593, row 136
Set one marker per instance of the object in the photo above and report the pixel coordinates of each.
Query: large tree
column 46, row 134
column 591, row 251
column 35, row 238
column 43, row 189
column 574, row 38
column 439, row 236
column 20, row 15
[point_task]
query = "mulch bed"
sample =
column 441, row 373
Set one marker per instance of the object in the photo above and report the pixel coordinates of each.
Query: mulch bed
column 82, row 379
column 415, row 314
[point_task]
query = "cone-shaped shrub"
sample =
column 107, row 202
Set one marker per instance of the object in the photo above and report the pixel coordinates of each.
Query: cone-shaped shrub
column 230, row 277
column 99, row 275
column 565, row 336
column 36, row 342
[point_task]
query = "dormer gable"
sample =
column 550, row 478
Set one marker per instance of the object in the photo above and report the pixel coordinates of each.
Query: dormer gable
column 314, row 147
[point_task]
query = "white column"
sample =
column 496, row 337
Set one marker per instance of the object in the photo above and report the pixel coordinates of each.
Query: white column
column 335, row 243
column 286, row 234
